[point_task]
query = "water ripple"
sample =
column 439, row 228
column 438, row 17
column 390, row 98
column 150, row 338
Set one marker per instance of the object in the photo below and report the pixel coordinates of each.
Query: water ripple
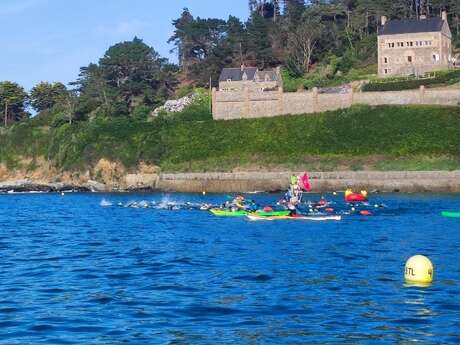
column 82, row 273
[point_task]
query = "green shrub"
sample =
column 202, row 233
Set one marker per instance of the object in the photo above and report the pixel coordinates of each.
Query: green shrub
column 398, row 84
column 290, row 83
column 184, row 91
column 361, row 131
column 141, row 112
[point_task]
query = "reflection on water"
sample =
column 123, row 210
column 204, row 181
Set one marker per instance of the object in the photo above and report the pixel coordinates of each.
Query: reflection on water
column 143, row 269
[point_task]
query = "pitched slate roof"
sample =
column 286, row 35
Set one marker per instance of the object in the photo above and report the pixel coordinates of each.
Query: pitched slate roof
column 236, row 74
column 411, row 26
column 268, row 75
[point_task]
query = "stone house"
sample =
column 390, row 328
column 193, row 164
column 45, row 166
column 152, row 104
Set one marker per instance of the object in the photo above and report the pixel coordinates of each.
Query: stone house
column 251, row 78
column 414, row 46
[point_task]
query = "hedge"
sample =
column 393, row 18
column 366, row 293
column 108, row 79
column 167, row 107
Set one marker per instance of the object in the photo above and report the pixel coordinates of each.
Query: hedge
column 442, row 78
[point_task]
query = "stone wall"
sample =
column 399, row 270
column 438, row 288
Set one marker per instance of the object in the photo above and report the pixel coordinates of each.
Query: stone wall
column 255, row 104
column 391, row 181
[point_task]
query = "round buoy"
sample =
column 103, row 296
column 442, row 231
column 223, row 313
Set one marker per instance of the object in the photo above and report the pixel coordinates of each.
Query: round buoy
column 353, row 209
column 329, row 209
column 365, row 213
column 335, row 193
column 62, row 193
column 204, row 193
column 419, row 269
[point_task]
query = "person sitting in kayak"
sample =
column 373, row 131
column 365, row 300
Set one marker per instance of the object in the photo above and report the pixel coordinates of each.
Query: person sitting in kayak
column 251, row 206
column 239, row 203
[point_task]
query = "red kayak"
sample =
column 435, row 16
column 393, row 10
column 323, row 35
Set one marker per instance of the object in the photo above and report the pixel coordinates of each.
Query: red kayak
column 350, row 196
column 355, row 197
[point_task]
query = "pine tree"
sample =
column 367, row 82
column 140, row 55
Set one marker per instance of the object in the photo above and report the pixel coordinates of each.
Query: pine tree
column 293, row 10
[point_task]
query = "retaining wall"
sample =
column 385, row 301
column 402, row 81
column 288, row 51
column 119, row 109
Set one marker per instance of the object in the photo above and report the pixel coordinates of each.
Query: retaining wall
column 391, row 181
column 228, row 105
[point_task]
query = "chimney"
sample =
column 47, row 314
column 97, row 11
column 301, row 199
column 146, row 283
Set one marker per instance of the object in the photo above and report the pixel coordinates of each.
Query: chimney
column 444, row 15
column 383, row 20
column 422, row 16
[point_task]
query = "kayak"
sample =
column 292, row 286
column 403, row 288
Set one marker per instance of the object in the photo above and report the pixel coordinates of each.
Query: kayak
column 313, row 218
column 355, row 197
column 228, row 213
column 243, row 213
column 451, row 214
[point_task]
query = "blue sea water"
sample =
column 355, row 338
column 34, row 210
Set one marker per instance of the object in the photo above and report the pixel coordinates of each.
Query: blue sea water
column 76, row 270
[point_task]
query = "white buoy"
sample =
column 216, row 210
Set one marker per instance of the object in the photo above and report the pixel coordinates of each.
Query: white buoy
column 419, row 269
column 62, row 194
column 204, row 192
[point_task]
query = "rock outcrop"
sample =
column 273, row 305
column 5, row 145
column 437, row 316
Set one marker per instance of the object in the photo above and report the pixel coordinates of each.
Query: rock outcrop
column 174, row 106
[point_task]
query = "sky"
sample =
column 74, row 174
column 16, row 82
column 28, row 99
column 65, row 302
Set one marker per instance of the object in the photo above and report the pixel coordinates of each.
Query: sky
column 49, row 40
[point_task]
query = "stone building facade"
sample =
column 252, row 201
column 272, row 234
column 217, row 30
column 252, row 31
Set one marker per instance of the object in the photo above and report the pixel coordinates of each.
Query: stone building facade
column 251, row 78
column 414, row 47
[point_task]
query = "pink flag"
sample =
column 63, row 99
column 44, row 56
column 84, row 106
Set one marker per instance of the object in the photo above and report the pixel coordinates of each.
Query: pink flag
column 305, row 182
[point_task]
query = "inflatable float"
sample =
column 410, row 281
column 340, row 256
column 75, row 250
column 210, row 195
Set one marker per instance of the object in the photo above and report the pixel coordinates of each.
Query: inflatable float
column 350, row 196
column 243, row 213
column 451, row 214
column 311, row 218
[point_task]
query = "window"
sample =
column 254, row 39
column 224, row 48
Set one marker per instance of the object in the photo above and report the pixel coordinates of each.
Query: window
column 435, row 57
column 385, row 60
column 411, row 44
column 386, row 70
column 409, row 59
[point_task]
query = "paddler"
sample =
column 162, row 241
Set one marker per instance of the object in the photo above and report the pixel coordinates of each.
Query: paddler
column 239, row 202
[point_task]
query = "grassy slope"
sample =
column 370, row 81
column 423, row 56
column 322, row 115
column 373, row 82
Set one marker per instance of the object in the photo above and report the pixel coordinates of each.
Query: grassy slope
column 385, row 138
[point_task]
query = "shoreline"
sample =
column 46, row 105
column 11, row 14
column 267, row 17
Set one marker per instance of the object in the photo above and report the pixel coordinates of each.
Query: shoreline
column 240, row 182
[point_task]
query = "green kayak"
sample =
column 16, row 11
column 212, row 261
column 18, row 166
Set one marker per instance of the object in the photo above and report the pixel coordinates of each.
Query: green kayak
column 228, row 213
column 242, row 213
column 451, row 214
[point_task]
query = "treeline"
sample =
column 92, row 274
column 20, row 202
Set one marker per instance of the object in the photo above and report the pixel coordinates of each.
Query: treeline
column 129, row 80
column 294, row 33
column 329, row 36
